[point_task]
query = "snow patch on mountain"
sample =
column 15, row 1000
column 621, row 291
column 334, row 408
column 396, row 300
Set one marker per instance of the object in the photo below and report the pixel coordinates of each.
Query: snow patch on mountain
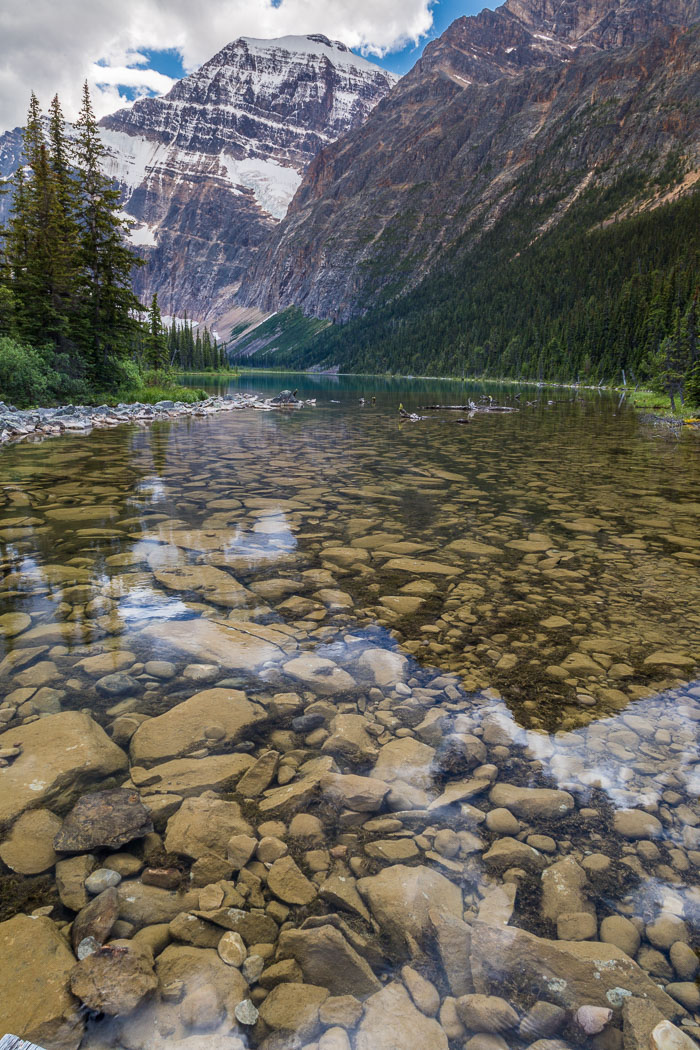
column 336, row 52
column 129, row 157
column 273, row 184
column 143, row 236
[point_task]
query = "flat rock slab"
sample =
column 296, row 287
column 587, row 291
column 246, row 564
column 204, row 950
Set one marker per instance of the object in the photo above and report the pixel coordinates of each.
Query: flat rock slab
column 575, row 973
column 243, row 647
column 532, row 803
column 400, row 899
column 36, row 1001
column 192, row 776
column 61, row 756
column 104, row 818
column 420, row 567
column 391, row 1020
column 212, row 584
column 320, row 675
column 184, row 726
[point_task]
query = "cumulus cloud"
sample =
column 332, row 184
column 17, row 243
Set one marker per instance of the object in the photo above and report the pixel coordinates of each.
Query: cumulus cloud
column 51, row 47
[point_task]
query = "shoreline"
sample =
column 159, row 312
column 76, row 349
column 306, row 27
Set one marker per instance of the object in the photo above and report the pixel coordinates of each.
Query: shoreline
column 42, row 423
column 641, row 398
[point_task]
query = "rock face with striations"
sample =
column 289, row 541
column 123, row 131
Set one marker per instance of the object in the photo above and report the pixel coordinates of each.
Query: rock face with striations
column 537, row 101
column 209, row 169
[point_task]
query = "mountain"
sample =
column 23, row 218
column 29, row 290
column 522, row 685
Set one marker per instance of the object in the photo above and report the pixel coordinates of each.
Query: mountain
column 510, row 121
column 208, row 170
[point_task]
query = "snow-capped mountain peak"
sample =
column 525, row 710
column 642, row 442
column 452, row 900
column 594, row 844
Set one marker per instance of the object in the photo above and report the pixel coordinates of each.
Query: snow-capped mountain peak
column 209, row 168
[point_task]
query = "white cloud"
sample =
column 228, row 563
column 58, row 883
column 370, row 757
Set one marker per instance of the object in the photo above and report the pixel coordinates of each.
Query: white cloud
column 51, row 47
column 142, row 80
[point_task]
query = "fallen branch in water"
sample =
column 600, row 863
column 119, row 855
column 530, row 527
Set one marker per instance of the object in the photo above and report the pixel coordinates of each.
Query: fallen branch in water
column 469, row 408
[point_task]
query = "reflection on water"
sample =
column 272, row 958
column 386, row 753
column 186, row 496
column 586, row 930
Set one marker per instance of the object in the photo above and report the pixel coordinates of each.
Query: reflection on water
column 492, row 625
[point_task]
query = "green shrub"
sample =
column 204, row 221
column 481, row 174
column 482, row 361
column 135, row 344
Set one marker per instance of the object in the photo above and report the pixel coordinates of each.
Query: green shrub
column 25, row 377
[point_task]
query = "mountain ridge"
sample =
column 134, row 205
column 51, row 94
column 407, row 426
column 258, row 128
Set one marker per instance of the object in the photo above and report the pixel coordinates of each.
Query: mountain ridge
column 207, row 170
column 447, row 152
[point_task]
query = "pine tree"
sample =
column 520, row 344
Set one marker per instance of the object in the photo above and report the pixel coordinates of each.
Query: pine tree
column 155, row 344
column 66, row 249
column 32, row 234
column 108, row 303
column 16, row 252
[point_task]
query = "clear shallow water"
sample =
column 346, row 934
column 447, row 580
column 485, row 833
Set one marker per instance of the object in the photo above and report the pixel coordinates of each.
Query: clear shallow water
column 538, row 571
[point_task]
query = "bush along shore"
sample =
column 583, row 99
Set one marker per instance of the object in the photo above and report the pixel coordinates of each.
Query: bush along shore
column 38, row 423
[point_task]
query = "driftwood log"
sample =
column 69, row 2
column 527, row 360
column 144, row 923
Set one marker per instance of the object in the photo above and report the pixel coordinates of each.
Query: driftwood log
column 12, row 1042
column 469, row 408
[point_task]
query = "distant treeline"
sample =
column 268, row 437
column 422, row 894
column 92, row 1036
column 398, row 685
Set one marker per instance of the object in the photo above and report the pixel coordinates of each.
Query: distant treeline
column 194, row 349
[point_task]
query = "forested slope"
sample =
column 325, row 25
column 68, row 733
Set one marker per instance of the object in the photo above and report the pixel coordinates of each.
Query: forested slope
column 588, row 298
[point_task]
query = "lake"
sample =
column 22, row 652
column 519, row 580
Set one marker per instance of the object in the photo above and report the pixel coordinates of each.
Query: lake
column 402, row 711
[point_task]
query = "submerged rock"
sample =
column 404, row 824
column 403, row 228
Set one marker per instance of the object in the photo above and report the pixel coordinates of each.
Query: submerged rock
column 391, row 1020
column 293, row 1010
column 114, row 980
column 203, row 825
column 532, row 803
column 400, row 899
column 667, row 1037
column 326, row 958
column 97, row 918
column 287, row 882
column 29, row 849
column 172, row 734
column 36, row 998
column 574, row 973
column 61, row 755
column 104, row 819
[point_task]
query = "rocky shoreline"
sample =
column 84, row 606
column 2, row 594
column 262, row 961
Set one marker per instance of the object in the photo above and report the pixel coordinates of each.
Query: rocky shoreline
column 39, row 423
column 300, row 751
column 337, row 861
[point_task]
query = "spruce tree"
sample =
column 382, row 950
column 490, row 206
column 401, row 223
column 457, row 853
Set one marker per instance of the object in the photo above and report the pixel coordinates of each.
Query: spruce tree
column 66, row 250
column 16, row 238
column 155, row 344
column 109, row 306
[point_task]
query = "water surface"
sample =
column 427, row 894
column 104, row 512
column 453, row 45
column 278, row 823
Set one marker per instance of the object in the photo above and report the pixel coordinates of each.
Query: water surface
column 539, row 571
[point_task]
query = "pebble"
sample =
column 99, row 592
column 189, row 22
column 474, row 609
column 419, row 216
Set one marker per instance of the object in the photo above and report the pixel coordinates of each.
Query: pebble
column 593, row 1019
column 88, row 946
column 617, row 930
column 101, row 880
column 232, row 949
column 246, row 1013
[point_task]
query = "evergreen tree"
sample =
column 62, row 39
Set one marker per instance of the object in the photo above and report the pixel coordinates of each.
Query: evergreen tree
column 108, row 303
column 33, row 238
column 156, row 345
column 15, row 254
column 66, row 250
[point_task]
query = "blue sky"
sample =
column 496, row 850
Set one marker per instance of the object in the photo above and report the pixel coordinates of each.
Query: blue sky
column 444, row 12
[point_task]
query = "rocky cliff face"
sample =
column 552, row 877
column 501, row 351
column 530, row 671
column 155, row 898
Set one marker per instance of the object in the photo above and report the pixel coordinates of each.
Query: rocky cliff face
column 540, row 100
column 208, row 170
